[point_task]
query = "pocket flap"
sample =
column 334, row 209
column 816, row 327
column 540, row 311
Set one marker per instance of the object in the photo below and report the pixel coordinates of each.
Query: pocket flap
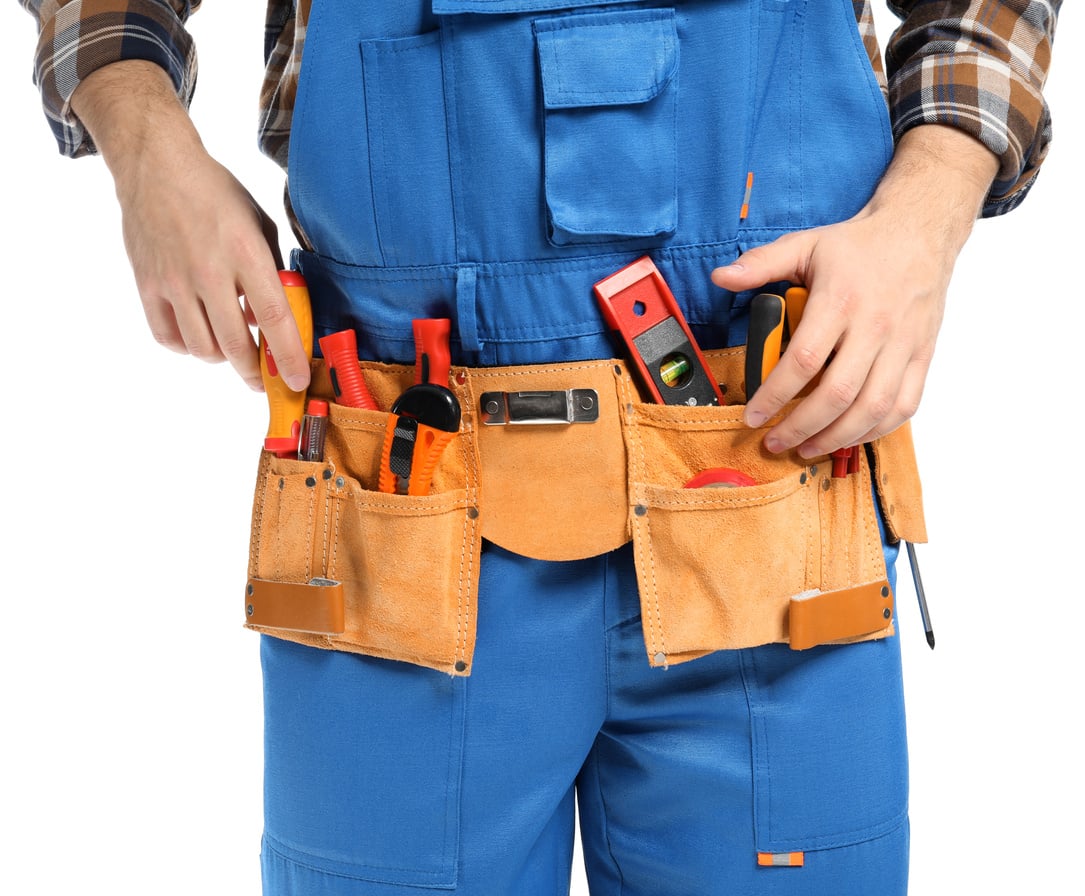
column 606, row 59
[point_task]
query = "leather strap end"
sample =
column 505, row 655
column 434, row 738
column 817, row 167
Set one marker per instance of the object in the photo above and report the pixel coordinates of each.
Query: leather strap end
column 821, row 617
column 316, row 606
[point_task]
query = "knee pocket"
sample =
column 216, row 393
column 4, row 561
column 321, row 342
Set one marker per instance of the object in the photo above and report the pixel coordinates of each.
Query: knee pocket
column 828, row 741
column 363, row 763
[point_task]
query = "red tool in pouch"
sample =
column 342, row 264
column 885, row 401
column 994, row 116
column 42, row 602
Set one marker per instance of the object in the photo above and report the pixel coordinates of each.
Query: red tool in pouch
column 432, row 359
column 638, row 304
column 340, row 351
column 423, row 420
column 287, row 407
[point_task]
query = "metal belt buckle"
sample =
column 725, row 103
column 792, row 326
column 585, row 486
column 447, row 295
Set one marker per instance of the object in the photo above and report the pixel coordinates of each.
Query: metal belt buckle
column 556, row 406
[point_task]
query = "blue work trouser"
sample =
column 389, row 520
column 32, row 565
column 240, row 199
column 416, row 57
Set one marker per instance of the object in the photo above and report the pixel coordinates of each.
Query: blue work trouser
column 488, row 161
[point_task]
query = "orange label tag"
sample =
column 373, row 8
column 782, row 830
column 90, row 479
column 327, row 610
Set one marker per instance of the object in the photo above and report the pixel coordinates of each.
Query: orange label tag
column 780, row 859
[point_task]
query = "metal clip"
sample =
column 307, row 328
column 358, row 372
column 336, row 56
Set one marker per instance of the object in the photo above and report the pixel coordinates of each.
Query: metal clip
column 514, row 408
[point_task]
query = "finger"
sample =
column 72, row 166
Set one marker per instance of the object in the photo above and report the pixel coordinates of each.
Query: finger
column 911, row 394
column 250, row 315
column 786, row 258
column 233, row 336
column 836, row 392
column 805, row 357
column 276, row 321
column 163, row 324
column 877, row 399
column 196, row 330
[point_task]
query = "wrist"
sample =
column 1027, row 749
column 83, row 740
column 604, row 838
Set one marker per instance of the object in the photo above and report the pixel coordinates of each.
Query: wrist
column 131, row 110
column 938, row 180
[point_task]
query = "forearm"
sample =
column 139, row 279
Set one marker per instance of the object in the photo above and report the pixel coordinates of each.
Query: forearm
column 978, row 66
column 135, row 118
column 197, row 240
column 935, row 186
column 79, row 37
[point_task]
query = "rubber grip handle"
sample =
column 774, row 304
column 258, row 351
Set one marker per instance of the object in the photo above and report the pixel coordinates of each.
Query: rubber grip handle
column 285, row 406
column 432, row 360
column 340, row 351
column 764, row 339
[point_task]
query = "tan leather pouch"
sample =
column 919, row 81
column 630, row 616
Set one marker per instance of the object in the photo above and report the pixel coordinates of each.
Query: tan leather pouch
column 795, row 557
column 736, row 567
column 406, row 566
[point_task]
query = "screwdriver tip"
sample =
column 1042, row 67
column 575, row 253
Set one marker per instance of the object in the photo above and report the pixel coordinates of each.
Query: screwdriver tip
column 930, row 639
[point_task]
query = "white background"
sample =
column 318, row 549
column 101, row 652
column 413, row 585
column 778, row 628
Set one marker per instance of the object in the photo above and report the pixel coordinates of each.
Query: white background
column 131, row 695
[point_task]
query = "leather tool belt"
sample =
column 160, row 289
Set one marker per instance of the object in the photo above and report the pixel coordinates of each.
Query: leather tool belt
column 796, row 558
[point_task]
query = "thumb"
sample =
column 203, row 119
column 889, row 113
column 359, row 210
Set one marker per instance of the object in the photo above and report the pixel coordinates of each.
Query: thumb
column 786, row 258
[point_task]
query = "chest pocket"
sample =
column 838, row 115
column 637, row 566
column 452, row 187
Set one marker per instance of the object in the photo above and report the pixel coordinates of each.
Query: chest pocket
column 609, row 91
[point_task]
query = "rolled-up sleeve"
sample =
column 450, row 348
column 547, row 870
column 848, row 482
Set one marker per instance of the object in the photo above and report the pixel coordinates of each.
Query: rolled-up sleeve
column 76, row 37
column 979, row 66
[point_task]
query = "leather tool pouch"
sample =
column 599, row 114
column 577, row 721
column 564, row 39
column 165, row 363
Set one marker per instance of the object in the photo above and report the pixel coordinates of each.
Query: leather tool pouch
column 795, row 558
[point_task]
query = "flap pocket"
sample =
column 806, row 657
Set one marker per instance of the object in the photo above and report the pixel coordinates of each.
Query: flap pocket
column 609, row 87
column 600, row 60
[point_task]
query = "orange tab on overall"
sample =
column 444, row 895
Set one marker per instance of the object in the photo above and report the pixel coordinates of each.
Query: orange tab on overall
column 780, row 859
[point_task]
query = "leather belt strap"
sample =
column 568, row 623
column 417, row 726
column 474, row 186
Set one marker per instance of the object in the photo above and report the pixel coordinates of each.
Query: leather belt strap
column 825, row 616
column 315, row 606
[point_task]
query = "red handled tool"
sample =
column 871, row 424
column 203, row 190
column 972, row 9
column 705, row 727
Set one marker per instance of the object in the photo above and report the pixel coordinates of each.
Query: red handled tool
column 286, row 406
column 340, row 352
column 424, row 419
column 432, row 360
column 637, row 303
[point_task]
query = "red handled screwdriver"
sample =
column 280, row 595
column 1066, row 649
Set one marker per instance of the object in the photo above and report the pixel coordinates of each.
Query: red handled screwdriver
column 432, row 360
column 340, row 352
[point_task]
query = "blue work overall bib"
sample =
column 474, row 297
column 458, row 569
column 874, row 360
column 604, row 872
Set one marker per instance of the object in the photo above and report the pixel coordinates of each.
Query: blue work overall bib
column 488, row 161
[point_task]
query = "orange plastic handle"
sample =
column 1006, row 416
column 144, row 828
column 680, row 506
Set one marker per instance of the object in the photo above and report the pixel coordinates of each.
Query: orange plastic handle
column 285, row 406
column 428, row 444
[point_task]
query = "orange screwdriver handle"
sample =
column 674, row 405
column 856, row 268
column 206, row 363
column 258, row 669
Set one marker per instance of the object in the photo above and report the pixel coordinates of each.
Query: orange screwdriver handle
column 285, row 406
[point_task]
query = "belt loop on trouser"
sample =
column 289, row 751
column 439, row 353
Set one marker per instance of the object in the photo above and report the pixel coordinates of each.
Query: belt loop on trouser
column 466, row 308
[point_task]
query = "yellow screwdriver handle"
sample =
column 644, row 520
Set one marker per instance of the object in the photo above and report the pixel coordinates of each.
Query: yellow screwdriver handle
column 287, row 407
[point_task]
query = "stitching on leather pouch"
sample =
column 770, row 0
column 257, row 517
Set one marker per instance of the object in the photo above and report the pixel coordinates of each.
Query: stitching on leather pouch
column 258, row 516
column 310, row 529
column 467, row 552
column 632, row 435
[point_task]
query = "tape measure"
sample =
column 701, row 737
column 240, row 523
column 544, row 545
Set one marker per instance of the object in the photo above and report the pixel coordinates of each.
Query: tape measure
column 720, row 477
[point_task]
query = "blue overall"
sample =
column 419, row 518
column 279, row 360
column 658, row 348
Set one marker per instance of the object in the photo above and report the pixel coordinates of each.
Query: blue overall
column 488, row 161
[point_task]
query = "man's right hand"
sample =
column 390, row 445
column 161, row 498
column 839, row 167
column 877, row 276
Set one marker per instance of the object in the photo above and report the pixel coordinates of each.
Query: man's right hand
column 204, row 254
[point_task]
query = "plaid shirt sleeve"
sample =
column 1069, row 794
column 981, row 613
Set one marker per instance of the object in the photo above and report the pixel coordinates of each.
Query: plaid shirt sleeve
column 980, row 66
column 76, row 37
